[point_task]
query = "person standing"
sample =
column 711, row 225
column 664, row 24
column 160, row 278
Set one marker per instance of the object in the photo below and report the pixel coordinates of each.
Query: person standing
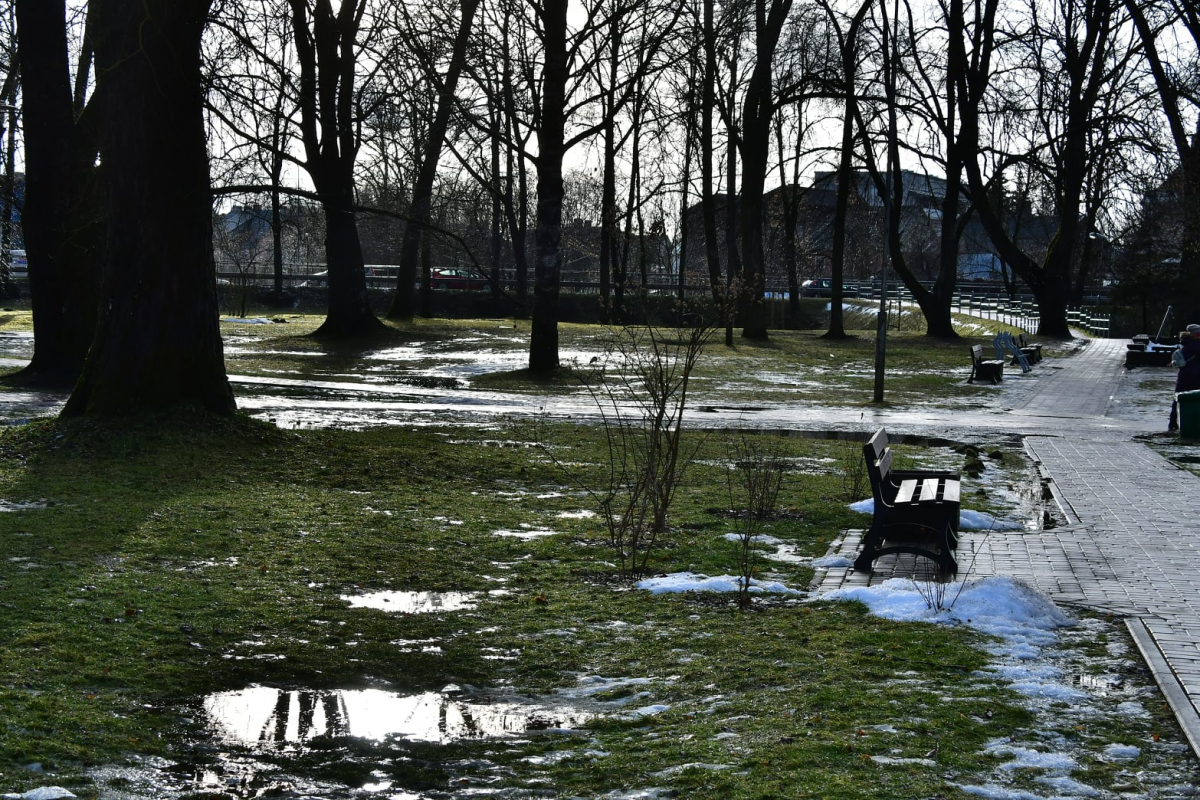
column 1189, row 373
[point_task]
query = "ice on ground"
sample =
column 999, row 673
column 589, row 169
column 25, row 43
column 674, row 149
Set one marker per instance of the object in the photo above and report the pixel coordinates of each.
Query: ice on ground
column 248, row 320
column 1121, row 752
column 1132, row 708
column 979, row 521
column 832, row 562
column 1001, row 606
column 695, row 582
column 993, row 792
column 1027, row 758
column 968, row 520
column 43, row 793
column 761, row 539
column 1068, row 787
column 672, row 771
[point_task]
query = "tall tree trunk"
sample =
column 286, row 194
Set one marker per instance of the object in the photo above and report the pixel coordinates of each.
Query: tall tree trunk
column 848, row 47
column 157, row 342
column 733, row 268
column 688, row 134
column 608, row 188
column 790, row 195
column 423, row 187
column 517, row 208
column 708, row 211
column 756, row 148
column 841, row 208
column 326, row 54
column 497, row 239
column 543, row 340
column 59, row 225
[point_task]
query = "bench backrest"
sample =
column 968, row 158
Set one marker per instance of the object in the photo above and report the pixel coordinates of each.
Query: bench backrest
column 878, row 456
column 874, row 448
column 976, row 353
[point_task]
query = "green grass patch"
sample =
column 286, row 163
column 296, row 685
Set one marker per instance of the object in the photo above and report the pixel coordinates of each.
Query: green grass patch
column 175, row 558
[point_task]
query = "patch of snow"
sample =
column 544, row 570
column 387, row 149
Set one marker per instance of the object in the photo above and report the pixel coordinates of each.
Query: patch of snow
column 695, row 582
column 832, row 562
column 640, row 794
column 43, row 793
column 672, row 771
column 1068, row 787
column 1028, row 758
column 1121, row 752
column 968, row 520
column 888, row 760
column 1132, row 708
column 994, row 792
column 248, row 321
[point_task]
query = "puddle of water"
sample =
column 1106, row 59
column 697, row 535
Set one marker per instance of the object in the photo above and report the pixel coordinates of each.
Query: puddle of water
column 265, row 715
column 414, row 602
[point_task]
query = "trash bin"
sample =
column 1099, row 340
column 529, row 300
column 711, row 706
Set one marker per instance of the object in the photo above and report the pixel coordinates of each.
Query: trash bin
column 1189, row 414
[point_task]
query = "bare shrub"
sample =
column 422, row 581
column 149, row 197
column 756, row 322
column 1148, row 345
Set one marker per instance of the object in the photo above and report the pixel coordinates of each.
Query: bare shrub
column 853, row 471
column 754, row 480
column 640, row 387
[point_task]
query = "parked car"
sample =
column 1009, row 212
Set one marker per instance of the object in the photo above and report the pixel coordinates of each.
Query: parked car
column 817, row 287
column 458, row 279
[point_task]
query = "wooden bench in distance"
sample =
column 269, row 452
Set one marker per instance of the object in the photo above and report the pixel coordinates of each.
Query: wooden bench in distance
column 1032, row 351
column 985, row 369
column 915, row 511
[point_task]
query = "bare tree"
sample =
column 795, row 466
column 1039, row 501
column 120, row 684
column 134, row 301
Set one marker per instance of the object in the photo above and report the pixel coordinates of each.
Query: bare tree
column 326, row 45
column 419, row 208
column 157, row 341
column 1157, row 21
column 61, row 214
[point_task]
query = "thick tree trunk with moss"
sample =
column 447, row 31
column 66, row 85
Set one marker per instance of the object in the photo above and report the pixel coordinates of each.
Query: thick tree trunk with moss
column 157, row 343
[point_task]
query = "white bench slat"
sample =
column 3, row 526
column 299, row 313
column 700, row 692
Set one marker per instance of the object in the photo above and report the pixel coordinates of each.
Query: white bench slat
column 929, row 490
column 907, row 489
column 951, row 493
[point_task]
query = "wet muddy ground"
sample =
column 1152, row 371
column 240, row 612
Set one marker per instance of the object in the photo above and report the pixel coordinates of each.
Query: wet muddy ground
column 387, row 735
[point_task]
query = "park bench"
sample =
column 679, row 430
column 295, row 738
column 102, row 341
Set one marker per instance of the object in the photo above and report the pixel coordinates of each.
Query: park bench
column 915, row 511
column 1146, row 352
column 1032, row 351
column 985, row 369
column 1004, row 342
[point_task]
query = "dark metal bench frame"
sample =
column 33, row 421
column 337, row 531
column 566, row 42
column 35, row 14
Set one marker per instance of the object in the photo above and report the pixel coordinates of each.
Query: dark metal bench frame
column 1033, row 352
column 985, row 369
column 915, row 511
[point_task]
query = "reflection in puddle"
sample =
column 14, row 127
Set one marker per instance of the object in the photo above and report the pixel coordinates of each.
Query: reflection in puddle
column 261, row 714
column 414, row 602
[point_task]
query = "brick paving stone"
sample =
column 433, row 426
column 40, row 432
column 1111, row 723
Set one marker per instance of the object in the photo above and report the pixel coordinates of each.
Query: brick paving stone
column 1132, row 548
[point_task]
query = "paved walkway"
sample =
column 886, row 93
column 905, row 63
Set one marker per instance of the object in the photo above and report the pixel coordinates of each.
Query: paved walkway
column 1132, row 541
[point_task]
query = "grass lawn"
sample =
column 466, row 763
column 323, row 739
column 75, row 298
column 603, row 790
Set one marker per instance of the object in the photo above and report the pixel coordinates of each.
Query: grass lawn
column 152, row 566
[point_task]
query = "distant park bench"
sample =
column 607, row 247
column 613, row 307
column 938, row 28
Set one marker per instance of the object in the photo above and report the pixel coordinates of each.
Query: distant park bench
column 1032, row 351
column 1144, row 351
column 915, row 511
column 1004, row 342
column 985, row 369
